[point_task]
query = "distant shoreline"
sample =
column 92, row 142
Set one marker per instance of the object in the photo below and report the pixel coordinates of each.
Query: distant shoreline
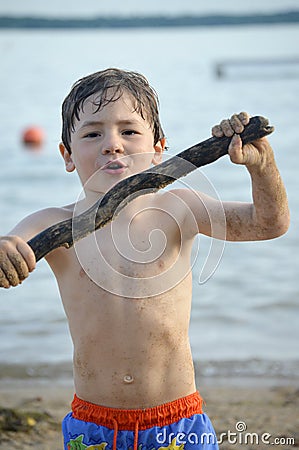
column 242, row 372
column 158, row 21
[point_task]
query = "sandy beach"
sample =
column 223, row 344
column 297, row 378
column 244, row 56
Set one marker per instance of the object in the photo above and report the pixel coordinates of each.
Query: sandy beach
column 30, row 416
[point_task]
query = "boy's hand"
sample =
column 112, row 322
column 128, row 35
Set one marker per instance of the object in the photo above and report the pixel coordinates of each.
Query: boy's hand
column 253, row 154
column 17, row 260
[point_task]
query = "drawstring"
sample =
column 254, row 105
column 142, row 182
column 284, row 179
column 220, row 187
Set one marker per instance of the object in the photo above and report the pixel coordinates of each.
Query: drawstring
column 136, row 419
column 116, row 432
column 136, row 435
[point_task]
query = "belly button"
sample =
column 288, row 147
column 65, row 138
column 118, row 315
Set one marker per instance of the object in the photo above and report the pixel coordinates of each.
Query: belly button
column 128, row 379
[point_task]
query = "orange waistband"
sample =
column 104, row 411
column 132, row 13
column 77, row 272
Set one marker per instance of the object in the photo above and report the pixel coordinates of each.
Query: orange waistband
column 126, row 419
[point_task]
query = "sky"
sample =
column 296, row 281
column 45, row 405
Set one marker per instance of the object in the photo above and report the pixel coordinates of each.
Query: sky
column 87, row 8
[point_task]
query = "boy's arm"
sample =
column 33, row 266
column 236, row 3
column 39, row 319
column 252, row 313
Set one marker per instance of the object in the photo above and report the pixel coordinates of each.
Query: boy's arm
column 267, row 216
column 17, row 259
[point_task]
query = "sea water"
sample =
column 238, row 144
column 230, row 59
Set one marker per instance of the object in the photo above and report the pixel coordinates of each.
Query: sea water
column 245, row 300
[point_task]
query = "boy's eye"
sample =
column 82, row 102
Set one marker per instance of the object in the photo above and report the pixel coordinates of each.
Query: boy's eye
column 92, row 135
column 129, row 132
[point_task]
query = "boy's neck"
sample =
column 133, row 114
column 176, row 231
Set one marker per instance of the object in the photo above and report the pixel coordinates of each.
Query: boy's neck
column 131, row 209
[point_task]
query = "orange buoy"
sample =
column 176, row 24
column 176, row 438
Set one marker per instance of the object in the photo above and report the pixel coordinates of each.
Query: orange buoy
column 33, row 137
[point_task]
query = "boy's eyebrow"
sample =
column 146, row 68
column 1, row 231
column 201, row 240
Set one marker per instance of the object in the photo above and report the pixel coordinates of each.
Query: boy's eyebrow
column 90, row 123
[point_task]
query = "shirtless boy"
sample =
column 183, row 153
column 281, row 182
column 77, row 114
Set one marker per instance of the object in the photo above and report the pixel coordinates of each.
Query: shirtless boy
column 126, row 288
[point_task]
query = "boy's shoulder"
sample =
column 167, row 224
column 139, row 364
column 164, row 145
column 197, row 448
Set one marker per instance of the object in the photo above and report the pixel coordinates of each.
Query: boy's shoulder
column 173, row 201
column 175, row 196
column 40, row 220
column 50, row 216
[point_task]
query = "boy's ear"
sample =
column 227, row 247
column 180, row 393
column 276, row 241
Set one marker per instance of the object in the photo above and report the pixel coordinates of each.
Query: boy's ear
column 159, row 149
column 68, row 161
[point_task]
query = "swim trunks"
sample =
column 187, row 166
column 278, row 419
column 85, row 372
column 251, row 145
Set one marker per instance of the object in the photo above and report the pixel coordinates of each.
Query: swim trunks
column 178, row 425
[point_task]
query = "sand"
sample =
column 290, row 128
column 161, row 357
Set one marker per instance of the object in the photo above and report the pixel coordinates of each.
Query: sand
column 264, row 409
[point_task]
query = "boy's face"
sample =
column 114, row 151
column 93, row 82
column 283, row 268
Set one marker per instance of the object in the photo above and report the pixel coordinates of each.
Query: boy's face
column 110, row 144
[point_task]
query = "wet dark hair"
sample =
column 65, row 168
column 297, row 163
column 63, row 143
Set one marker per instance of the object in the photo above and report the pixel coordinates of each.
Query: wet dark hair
column 117, row 81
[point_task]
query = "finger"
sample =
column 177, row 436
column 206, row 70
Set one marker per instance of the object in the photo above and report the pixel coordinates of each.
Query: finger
column 20, row 265
column 9, row 271
column 217, row 131
column 236, row 124
column 227, row 128
column 235, row 150
column 28, row 255
column 244, row 117
column 3, row 280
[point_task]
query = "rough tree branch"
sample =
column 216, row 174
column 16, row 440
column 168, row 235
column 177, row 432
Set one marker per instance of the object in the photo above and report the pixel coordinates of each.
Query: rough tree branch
column 69, row 231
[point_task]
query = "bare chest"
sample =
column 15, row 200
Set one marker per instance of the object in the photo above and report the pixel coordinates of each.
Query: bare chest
column 141, row 257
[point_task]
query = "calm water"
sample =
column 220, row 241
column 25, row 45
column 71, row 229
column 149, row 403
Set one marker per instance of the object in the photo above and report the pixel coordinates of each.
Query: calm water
column 247, row 312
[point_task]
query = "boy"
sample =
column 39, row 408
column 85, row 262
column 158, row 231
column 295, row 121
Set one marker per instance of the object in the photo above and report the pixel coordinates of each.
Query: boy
column 126, row 288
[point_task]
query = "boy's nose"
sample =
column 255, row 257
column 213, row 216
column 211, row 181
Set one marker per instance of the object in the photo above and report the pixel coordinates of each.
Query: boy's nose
column 112, row 149
column 112, row 145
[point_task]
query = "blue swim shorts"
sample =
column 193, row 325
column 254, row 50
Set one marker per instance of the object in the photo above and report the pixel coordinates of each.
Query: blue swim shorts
column 178, row 425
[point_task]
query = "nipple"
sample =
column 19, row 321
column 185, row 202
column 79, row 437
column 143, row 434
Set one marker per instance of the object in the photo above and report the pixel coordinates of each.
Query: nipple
column 128, row 379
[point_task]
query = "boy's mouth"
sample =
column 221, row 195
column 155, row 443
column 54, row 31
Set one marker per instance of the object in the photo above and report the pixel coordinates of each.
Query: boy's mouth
column 114, row 167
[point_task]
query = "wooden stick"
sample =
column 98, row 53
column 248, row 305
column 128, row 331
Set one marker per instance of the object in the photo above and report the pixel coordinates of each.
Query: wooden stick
column 69, row 231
